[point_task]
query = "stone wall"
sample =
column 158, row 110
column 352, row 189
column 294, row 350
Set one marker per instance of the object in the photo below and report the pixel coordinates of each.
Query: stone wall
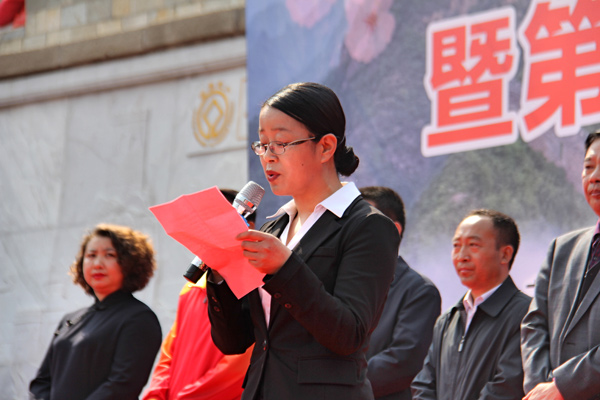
column 102, row 143
column 108, row 107
column 63, row 33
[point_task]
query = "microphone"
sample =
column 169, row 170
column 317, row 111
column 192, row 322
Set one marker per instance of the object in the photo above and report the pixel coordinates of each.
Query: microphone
column 245, row 204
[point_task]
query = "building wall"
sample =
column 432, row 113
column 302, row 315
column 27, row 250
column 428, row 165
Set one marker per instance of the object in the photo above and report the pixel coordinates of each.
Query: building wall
column 62, row 33
column 101, row 141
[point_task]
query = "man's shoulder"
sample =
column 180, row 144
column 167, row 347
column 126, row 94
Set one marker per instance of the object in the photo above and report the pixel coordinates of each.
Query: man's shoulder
column 419, row 279
column 520, row 302
column 574, row 235
column 414, row 280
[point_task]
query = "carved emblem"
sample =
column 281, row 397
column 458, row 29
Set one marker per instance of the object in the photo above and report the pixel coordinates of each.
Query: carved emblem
column 213, row 115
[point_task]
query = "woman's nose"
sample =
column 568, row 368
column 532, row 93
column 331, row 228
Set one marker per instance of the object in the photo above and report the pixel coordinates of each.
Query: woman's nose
column 269, row 155
column 99, row 261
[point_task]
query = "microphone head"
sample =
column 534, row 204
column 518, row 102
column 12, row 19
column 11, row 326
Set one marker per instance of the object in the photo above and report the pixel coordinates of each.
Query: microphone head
column 249, row 198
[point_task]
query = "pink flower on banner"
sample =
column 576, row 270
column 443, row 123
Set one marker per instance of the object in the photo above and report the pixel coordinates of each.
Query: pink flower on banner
column 370, row 28
column 308, row 12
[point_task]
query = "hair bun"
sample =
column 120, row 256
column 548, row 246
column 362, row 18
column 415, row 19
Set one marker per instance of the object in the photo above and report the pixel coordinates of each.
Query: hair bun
column 347, row 161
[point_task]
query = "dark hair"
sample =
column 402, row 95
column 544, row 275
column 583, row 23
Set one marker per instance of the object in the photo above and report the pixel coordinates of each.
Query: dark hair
column 388, row 202
column 230, row 196
column 591, row 138
column 319, row 109
column 135, row 256
column 507, row 232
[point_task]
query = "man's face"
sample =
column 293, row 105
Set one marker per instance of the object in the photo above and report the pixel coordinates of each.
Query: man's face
column 590, row 177
column 479, row 262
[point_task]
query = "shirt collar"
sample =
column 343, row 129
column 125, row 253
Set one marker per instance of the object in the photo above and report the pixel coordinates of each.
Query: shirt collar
column 468, row 299
column 337, row 203
column 112, row 299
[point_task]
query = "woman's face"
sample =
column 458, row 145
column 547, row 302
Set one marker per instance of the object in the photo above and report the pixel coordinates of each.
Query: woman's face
column 290, row 173
column 101, row 269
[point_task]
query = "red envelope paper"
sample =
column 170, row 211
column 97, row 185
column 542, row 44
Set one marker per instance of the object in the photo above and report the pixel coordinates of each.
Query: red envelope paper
column 206, row 224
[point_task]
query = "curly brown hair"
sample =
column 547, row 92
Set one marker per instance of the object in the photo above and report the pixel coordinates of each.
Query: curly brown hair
column 135, row 256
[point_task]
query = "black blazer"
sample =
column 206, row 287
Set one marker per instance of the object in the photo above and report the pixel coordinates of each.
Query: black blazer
column 400, row 342
column 326, row 301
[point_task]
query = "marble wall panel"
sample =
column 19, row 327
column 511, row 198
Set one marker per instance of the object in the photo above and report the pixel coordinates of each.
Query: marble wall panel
column 69, row 163
column 31, row 161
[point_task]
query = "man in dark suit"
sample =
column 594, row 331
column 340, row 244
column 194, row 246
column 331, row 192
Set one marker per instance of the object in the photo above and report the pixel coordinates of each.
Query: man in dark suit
column 560, row 335
column 475, row 350
column 399, row 344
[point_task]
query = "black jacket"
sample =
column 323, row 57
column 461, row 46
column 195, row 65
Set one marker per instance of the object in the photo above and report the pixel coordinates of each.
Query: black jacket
column 105, row 351
column 484, row 364
column 400, row 342
column 326, row 300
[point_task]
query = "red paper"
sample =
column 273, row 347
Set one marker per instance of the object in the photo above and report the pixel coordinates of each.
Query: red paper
column 206, row 224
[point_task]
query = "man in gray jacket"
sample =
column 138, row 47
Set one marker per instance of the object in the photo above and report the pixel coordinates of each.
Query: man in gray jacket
column 560, row 335
column 475, row 350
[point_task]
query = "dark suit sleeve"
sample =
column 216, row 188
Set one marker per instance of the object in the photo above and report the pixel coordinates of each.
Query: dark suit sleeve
column 342, row 321
column 393, row 369
column 579, row 377
column 535, row 334
column 137, row 346
column 424, row 386
column 231, row 325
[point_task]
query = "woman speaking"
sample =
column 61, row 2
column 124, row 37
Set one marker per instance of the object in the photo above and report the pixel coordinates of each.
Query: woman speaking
column 329, row 258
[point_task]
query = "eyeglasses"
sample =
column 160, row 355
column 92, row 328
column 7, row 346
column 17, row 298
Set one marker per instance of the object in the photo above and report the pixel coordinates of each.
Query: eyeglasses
column 277, row 148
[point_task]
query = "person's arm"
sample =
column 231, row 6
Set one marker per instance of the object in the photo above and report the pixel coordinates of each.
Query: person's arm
column 223, row 381
column 535, row 335
column 230, row 322
column 138, row 343
column 579, row 377
column 161, row 377
column 393, row 369
column 424, row 386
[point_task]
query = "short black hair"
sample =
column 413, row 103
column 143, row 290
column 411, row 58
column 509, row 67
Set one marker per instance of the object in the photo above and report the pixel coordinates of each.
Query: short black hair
column 591, row 138
column 507, row 232
column 388, row 202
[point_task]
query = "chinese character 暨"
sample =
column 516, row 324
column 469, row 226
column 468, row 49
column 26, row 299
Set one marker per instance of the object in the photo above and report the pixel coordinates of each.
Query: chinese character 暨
column 470, row 61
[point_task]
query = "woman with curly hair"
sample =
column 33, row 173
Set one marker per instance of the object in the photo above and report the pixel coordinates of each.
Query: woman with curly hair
column 105, row 351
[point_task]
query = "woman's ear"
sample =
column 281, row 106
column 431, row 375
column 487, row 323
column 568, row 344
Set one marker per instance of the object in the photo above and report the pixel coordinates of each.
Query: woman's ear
column 328, row 145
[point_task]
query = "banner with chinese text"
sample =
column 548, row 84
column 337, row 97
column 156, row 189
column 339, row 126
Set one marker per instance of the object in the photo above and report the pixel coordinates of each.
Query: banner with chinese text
column 455, row 105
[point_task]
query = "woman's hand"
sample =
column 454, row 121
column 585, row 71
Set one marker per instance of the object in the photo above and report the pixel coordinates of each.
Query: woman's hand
column 264, row 251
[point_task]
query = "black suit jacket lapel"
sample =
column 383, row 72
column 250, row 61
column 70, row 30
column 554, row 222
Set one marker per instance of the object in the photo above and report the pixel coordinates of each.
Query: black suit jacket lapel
column 326, row 225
